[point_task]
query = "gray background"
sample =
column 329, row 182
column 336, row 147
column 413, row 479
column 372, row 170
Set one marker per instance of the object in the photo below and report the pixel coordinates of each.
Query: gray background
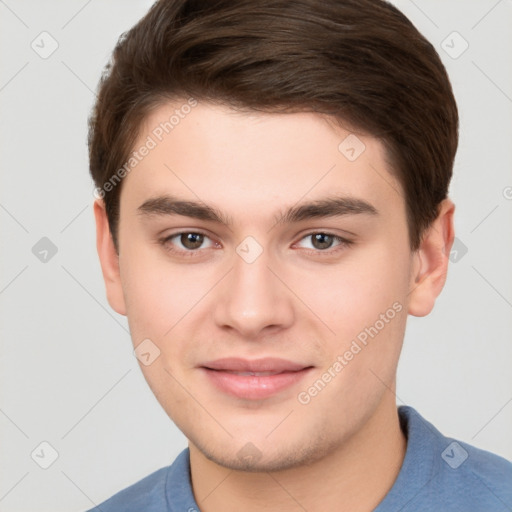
column 68, row 375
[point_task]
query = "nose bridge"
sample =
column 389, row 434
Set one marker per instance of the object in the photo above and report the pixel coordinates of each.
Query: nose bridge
column 253, row 297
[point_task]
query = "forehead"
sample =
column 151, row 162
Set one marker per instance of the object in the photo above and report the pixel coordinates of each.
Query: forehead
column 243, row 159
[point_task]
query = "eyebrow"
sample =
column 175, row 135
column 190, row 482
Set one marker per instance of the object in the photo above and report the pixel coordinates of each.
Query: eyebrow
column 167, row 205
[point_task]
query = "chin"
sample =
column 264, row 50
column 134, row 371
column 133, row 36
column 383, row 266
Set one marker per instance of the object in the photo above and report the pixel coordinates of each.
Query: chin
column 265, row 456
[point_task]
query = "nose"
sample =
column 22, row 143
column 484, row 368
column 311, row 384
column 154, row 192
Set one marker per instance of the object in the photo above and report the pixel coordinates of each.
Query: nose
column 253, row 299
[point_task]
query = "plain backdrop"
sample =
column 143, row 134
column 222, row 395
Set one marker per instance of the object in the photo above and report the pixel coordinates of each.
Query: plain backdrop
column 68, row 377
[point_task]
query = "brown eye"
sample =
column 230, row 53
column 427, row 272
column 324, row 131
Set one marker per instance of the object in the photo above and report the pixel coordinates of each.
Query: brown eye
column 322, row 240
column 188, row 244
column 322, row 243
column 191, row 240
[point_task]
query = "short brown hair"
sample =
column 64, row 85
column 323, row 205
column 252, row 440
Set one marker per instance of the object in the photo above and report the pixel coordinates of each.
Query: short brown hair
column 361, row 61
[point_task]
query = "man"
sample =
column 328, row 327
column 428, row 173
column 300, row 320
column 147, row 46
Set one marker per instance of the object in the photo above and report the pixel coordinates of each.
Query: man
column 272, row 184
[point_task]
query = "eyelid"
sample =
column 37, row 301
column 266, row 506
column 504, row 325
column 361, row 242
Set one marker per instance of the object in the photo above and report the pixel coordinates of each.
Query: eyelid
column 343, row 242
column 165, row 240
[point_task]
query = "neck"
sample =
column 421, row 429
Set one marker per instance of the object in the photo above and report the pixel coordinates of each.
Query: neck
column 355, row 476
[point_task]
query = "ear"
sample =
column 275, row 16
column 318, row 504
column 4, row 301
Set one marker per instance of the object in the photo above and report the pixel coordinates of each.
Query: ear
column 109, row 259
column 431, row 261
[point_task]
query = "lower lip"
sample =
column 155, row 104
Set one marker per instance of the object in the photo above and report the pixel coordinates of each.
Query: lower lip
column 254, row 387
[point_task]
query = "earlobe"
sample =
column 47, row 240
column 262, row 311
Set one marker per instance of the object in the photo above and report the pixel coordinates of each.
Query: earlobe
column 109, row 259
column 431, row 262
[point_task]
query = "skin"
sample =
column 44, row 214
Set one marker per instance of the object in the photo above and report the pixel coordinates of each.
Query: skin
column 342, row 450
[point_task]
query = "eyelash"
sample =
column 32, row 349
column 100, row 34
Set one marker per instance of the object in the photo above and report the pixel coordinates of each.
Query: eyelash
column 343, row 243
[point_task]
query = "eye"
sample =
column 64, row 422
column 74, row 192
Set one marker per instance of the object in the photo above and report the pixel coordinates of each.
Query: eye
column 186, row 241
column 321, row 241
column 190, row 243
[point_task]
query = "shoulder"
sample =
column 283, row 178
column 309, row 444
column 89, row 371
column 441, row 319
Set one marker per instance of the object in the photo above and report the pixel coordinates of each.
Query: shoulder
column 460, row 476
column 167, row 489
column 147, row 494
column 480, row 472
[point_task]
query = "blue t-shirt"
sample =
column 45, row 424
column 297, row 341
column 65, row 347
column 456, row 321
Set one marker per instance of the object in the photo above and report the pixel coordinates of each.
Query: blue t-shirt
column 437, row 474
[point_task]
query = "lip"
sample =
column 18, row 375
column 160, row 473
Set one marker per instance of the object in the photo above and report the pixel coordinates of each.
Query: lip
column 254, row 379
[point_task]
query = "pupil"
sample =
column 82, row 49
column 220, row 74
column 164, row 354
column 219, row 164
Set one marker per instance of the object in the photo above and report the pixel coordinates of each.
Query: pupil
column 192, row 240
column 322, row 241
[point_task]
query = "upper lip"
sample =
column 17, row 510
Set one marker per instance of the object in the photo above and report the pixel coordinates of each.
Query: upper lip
column 266, row 364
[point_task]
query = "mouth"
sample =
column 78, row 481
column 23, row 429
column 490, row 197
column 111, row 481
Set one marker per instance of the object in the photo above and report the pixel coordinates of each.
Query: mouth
column 259, row 374
column 255, row 379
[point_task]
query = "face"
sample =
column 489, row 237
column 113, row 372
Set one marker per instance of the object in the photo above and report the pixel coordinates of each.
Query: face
column 272, row 328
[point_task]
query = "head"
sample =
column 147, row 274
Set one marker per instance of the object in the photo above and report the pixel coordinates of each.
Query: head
column 272, row 182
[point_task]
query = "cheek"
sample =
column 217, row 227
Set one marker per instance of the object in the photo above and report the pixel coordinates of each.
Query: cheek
column 353, row 294
column 157, row 293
